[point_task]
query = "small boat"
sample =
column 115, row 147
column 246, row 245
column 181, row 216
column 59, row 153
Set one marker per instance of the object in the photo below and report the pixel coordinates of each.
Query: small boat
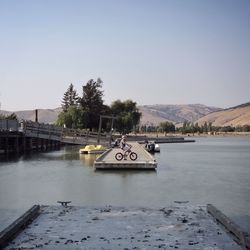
column 152, row 147
column 93, row 149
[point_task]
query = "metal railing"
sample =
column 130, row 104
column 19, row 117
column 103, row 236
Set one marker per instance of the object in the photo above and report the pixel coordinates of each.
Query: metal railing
column 53, row 132
column 9, row 125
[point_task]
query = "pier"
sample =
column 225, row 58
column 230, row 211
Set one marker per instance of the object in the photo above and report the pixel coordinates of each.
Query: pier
column 144, row 160
column 18, row 137
column 30, row 136
column 179, row 226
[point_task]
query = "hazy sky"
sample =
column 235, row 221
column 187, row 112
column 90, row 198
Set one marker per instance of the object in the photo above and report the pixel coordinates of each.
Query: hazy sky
column 153, row 52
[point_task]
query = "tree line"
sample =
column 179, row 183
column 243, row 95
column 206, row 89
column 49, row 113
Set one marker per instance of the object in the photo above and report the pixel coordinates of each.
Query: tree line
column 192, row 128
column 11, row 116
column 84, row 111
column 189, row 127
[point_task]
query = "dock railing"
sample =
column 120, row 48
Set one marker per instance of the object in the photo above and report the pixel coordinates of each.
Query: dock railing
column 53, row 132
column 9, row 125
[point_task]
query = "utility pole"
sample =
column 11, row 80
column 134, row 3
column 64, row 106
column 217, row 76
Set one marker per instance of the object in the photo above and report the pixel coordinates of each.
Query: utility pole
column 36, row 115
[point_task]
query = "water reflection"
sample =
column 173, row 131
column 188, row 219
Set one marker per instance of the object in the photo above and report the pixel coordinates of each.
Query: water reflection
column 88, row 159
column 9, row 158
column 207, row 171
column 126, row 172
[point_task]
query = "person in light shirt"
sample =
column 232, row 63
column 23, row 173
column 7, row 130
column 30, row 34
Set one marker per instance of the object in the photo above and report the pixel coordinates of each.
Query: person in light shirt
column 125, row 147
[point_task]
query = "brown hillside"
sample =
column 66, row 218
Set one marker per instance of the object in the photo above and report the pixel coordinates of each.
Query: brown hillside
column 151, row 114
column 150, row 118
column 229, row 117
column 44, row 115
column 154, row 114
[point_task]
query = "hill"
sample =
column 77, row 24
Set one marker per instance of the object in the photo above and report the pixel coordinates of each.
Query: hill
column 151, row 114
column 235, row 116
column 44, row 115
column 154, row 114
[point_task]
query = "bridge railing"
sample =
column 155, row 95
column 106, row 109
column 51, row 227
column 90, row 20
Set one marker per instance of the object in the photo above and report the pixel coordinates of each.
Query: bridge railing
column 39, row 130
column 9, row 125
column 79, row 136
column 53, row 132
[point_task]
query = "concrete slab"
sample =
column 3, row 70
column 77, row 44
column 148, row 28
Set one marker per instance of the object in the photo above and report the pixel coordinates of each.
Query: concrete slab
column 143, row 161
column 174, row 227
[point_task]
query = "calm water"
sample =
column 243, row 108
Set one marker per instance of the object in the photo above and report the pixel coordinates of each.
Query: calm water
column 211, row 170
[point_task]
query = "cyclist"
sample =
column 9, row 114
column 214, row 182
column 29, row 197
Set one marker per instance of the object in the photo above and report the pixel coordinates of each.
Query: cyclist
column 125, row 147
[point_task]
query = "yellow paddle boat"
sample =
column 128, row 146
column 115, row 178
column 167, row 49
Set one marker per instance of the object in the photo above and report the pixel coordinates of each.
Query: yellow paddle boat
column 92, row 149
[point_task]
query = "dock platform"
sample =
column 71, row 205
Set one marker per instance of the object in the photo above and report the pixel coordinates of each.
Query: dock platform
column 174, row 227
column 144, row 160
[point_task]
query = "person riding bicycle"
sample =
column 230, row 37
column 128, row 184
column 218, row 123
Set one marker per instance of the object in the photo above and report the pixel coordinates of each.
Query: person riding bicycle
column 125, row 147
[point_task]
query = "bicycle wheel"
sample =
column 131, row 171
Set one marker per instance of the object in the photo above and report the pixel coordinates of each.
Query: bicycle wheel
column 119, row 156
column 133, row 156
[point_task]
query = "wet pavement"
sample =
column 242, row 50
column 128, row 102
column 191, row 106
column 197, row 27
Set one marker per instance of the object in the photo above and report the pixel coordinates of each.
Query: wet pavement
column 174, row 227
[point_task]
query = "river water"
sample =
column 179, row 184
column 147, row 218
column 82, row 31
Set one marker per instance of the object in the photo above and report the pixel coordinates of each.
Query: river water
column 212, row 170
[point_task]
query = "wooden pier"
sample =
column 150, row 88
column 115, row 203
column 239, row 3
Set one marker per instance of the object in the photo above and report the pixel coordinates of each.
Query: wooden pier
column 25, row 136
column 172, row 227
column 14, row 142
column 30, row 136
column 144, row 160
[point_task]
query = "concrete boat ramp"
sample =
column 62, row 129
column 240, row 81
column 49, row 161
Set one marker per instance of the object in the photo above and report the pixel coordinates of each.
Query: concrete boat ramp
column 174, row 227
column 144, row 160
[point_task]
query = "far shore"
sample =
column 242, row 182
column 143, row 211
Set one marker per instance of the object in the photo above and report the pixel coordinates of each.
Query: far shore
column 209, row 134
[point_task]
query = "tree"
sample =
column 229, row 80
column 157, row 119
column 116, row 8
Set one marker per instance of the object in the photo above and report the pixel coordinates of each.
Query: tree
column 127, row 114
column 196, row 128
column 72, row 118
column 70, row 98
column 167, row 127
column 185, row 126
column 91, row 103
column 85, row 111
column 11, row 116
column 205, row 127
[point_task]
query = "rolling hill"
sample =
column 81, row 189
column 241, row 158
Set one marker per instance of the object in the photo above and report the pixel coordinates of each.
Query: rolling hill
column 154, row 114
column 44, row 115
column 235, row 116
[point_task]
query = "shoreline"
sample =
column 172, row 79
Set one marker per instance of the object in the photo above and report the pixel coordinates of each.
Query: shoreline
column 217, row 134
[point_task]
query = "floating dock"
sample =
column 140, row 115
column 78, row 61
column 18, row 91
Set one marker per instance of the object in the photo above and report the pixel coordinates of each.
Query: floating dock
column 175, row 227
column 169, row 139
column 144, row 160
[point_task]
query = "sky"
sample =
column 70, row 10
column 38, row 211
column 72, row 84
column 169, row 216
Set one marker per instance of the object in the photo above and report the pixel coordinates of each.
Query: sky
column 150, row 51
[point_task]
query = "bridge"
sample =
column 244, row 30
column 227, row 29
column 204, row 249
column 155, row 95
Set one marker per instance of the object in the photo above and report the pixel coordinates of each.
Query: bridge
column 27, row 135
column 63, row 135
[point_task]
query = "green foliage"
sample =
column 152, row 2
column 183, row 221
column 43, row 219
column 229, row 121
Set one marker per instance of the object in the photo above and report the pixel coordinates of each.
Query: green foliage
column 70, row 98
column 208, row 127
column 92, row 103
column 12, row 116
column 227, row 129
column 127, row 114
column 192, row 128
column 167, row 127
column 85, row 111
column 74, row 117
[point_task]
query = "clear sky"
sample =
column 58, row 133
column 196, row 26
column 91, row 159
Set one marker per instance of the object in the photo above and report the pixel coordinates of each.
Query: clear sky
column 153, row 52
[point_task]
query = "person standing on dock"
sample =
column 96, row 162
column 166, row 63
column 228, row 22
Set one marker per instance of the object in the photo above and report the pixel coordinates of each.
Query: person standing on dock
column 125, row 147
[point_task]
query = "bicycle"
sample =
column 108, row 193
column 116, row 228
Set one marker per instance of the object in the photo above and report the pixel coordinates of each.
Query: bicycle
column 132, row 155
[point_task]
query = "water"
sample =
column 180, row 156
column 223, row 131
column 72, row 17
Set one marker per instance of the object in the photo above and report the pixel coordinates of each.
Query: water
column 211, row 170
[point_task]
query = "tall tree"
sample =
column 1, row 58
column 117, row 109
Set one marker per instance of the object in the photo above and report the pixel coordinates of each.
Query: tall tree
column 11, row 116
column 69, row 98
column 72, row 118
column 167, row 127
column 92, row 103
column 127, row 114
